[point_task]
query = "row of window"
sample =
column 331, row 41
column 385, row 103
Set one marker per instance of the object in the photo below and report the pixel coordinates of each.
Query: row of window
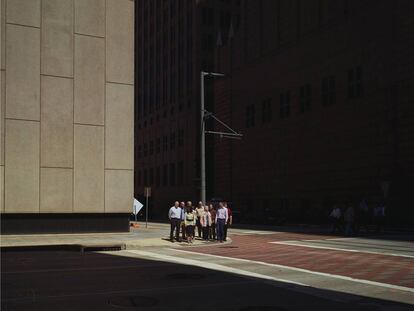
column 225, row 17
column 328, row 93
column 171, row 174
column 154, row 146
column 160, row 82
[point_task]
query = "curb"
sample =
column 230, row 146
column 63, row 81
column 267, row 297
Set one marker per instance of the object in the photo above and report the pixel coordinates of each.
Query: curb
column 64, row 247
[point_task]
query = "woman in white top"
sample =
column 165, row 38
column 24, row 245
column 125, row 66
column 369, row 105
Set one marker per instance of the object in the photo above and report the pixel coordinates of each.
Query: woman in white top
column 205, row 222
column 189, row 222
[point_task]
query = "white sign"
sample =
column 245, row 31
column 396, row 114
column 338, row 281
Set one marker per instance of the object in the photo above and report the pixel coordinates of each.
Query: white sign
column 137, row 206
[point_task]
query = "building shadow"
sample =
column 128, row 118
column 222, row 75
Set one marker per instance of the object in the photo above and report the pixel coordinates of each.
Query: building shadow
column 70, row 280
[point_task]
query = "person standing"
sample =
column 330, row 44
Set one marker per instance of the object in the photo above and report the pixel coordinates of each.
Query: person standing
column 229, row 222
column 206, row 222
column 189, row 222
column 212, row 211
column 199, row 213
column 349, row 218
column 379, row 216
column 221, row 219
column 175, row 219
column 182, row 224
column 335, row 217
column 363, row 215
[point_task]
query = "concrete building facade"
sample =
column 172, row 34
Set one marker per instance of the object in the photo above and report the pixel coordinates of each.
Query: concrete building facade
column 323, row 93
column 67, row 105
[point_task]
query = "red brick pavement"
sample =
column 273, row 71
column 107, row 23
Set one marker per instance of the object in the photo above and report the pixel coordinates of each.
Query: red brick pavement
column 374, row 267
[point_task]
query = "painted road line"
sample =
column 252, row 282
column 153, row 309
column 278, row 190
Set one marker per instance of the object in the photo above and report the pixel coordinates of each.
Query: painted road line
column 369, row 243
column 385, row 240
column 208, row 265
column 298, row 243
column 356, row 243
column 257, row 232
column 335, row 276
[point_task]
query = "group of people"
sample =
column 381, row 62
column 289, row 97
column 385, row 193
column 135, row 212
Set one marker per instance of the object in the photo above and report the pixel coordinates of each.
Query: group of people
column 350, row 218
column 212, row 223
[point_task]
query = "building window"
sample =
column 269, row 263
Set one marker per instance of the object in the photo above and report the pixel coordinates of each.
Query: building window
column 328, row 91
column 172, row 174
column 145, row 178
column 145, row 149
column 172, row 9
column 180, row 173
column 267, row 110
column 207, row 16
column 285, row 104
column 180, row 137
column 305, row 97
column 151, row 147
column 158, row 176
column 250, row 116
column 165, row 175
column 355, row 87
column 139, row 177
column 158, row 146
column 207, row 42
column 172, row 141
column 225, row 19
column 151, row 176
column 165, row 143
column 139, row 153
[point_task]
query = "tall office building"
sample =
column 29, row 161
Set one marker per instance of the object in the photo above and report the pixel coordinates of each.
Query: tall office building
column 67, row 91
column 323, row 93
column 175, row 40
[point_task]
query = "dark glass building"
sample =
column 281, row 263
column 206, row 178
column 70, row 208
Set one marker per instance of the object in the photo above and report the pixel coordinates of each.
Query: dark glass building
column 323, row 92
column 175, row 40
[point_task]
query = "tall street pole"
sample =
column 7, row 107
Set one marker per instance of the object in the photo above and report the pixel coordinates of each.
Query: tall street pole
column 202, row 143
column 203, row 74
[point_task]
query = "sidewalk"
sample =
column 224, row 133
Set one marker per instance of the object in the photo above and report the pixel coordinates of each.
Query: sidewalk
column 156, row 235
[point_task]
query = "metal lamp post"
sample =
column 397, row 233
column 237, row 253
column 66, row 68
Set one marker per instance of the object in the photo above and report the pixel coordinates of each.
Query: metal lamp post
column 203, row 115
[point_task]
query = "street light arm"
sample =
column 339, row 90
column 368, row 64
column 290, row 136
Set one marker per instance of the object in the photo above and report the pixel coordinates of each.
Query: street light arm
column 212, row 74
column 210, row 114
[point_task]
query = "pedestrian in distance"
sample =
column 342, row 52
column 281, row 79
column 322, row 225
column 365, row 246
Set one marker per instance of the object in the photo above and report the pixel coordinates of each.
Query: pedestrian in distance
column 174, row 215
column 199, row 212
column 362, row 216
column 379, row 216
column 206, row 222
column 335, row 218
column 229, row 221
column 189, row 222
column 349, row 217
column 182, row 225
column 221, row 219
column 212, row 210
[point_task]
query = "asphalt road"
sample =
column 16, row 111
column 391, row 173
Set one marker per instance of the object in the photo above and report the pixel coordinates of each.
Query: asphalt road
column 257, row 271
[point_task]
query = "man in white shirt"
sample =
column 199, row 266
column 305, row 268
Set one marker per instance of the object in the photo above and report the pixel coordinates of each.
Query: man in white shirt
column 222, row 217
column 175, row 219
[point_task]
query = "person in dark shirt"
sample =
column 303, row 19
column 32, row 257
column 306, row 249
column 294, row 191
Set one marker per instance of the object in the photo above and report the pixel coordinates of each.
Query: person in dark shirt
column 212, row 211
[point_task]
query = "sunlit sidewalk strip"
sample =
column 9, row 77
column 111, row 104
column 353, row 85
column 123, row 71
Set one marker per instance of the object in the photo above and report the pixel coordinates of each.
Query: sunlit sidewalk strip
column 300, row 244
column 347, row 278
column 208, row 265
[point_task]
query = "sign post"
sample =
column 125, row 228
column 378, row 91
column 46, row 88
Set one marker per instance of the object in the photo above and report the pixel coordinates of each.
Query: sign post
column 147, row 193
column 137, row 207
